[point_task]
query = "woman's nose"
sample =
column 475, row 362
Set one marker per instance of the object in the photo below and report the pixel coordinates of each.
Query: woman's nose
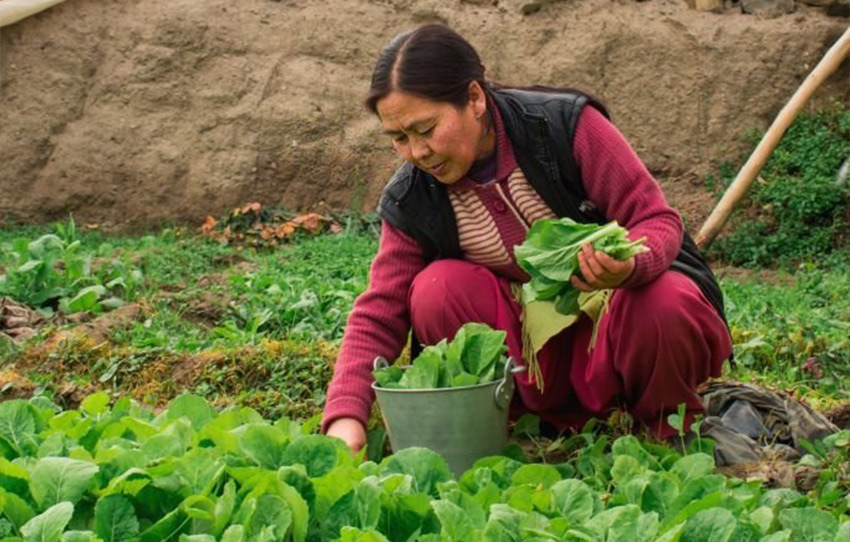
column 420, row 150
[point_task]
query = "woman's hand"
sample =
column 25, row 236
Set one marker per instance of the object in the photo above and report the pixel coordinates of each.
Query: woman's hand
column 350, row 431
column 601, row 271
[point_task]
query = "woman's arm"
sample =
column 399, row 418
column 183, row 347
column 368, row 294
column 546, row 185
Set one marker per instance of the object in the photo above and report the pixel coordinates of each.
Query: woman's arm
column 617, row 181
column 377, row 326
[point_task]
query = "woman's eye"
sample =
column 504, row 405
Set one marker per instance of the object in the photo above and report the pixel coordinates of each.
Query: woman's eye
column 427, row 132
column 400, row 138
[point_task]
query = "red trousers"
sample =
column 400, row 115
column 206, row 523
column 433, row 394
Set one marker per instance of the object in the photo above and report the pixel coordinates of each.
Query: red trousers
column 656, row 344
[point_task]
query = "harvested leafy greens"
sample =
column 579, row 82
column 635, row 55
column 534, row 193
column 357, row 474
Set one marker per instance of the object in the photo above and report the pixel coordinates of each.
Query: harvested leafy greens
column 550, row 255
column 476, row 355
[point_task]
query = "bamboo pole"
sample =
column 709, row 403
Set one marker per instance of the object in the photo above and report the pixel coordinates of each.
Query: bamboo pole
column 738, row 189
column 12, row 11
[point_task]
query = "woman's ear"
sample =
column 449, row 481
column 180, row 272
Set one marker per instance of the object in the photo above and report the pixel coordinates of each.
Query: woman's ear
column 477, row 99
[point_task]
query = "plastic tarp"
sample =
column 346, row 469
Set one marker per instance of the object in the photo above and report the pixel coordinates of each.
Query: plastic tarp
column 12, row 11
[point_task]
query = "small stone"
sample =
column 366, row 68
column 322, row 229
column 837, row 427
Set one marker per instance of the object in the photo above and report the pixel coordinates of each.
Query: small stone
column 768, row 8
column 536, row 5
column 530, row 9
column 710, row 5
column 841, row 8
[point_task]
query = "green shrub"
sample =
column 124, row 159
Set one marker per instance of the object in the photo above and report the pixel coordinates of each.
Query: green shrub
column 798, row 210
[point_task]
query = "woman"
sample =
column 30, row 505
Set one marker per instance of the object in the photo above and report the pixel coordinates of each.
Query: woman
column 483, row 163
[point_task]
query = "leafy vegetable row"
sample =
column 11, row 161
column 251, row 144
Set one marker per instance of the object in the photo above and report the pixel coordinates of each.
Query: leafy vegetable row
column 192, row 474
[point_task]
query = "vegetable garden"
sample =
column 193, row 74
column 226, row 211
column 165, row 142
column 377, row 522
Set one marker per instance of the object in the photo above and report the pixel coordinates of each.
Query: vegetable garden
column 166, row 387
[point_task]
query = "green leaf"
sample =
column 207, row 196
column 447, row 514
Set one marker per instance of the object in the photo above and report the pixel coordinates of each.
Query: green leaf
column 779, row 536
column 537, row 475
column 80, row 536
column 483, row 349
column 270, row 511
column 503, row 525
column 330, row 487
column 631, row 446
column 48, row 527
column 809, row 524
column 15, row 508
column 455, row 523
column 425, row 371
column 672, row 535
column 265, row 445
column 528, row 425
column 224, row 508
column 193, row 407
column 167, row 528
column 200, row 469
column 31, row 265
column 18, row 426
column 713, row 525
column 234, row 533
column 95, row 404
column 86, row 299
column 296, row 476
column 661, row 493
column 700, row 494
column 425, row 466
column 57, row 479
column 616, row 524
column 353, row 534
column 358, row 508
column 115, row 519
column 299, row 509
column 196, row 538
column 317, row 453
column 463, row 379
column 692, row 467
column 573, row 499
column 388, row 376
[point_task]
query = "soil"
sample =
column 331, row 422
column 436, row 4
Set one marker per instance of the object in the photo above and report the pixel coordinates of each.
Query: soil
column 840, row 416
column 131, row 113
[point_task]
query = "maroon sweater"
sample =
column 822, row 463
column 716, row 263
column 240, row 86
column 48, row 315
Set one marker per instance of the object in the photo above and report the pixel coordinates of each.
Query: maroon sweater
column 614, row 179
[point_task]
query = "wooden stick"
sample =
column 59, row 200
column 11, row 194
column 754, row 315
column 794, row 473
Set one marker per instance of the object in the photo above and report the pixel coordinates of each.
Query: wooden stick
column 739, row 187
column 12, row 11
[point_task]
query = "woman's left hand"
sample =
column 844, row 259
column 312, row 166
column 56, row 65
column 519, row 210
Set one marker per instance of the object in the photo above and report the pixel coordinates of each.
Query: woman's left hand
column 601, row 271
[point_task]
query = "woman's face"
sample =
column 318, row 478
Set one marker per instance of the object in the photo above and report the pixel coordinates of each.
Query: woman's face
column 437, row 137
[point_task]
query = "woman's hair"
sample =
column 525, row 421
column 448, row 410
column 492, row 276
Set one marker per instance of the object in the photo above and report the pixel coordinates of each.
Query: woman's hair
column 432, row 61
column 435, row 62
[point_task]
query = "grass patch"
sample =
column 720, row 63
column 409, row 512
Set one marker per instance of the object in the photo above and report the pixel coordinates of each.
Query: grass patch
column 199, row 298
column 793, row 331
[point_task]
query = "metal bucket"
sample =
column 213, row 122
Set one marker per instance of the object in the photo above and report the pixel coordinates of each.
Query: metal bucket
column 461, row 424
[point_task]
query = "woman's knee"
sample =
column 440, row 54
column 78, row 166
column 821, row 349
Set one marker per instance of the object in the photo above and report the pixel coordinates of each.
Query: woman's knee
column 449, row 293
column 661, row 304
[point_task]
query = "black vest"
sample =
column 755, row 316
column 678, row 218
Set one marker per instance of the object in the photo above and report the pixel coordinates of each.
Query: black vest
column 541, row 127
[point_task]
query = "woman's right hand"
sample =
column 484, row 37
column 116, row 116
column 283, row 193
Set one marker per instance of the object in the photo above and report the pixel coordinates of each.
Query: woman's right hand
column 350, row 430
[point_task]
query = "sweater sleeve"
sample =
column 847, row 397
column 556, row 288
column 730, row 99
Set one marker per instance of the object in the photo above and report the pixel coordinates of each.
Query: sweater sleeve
column 377, row 326
column 617, row 181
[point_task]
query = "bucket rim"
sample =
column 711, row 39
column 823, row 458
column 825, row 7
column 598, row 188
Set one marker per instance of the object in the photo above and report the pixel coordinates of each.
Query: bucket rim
column 492, row 383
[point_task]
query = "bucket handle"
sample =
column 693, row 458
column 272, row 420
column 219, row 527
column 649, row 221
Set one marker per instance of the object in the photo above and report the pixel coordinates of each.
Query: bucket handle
column 380, row 363
column 505, row 390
